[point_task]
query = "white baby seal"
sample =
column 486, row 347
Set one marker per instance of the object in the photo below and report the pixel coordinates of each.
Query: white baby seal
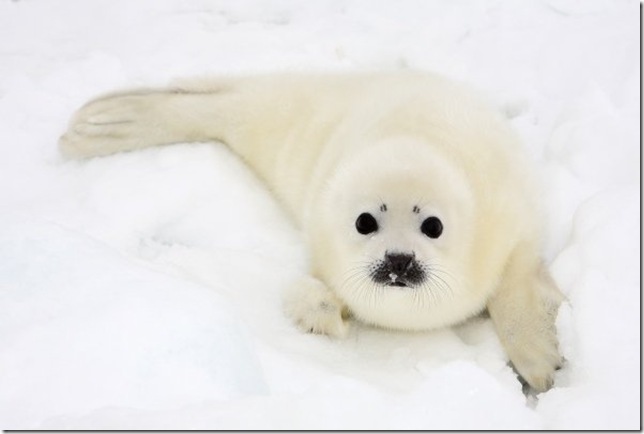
column 415, row 196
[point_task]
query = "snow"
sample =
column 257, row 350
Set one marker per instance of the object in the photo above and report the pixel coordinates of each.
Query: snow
column 141, row 291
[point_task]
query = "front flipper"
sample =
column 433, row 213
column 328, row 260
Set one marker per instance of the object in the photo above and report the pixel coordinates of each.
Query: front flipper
column 315, row 309
column 524, row 310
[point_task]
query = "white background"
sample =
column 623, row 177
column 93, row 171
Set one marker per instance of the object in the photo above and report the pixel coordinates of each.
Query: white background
column 142, row 290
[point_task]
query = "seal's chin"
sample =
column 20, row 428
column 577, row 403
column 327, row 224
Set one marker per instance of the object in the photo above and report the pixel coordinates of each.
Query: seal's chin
column 399, row 284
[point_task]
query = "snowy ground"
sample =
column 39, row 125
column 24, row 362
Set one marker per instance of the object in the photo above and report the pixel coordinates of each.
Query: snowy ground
column 142, row 290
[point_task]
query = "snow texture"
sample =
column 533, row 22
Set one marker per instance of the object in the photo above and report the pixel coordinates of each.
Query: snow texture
column 143, row 290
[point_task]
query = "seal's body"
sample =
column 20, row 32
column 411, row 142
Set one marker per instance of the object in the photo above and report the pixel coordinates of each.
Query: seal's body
column 415, row 196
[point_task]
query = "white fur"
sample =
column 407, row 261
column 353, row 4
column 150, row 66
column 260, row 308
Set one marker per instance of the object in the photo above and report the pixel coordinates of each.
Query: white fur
column 333, row 147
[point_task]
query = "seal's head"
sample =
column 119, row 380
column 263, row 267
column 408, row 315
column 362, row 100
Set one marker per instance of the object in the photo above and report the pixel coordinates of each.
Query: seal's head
column 397, row 226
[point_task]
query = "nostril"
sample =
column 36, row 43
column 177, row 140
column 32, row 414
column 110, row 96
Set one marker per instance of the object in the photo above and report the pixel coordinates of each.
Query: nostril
column 398, row 262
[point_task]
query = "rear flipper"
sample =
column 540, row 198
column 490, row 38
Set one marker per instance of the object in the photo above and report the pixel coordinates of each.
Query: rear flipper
column 140, row 119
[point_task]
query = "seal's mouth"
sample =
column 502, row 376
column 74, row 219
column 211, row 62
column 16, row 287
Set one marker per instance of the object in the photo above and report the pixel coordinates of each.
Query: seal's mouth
column 400, row 271
column 395, row 280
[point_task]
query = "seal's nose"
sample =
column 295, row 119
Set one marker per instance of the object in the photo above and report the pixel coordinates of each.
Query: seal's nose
column 398, row 263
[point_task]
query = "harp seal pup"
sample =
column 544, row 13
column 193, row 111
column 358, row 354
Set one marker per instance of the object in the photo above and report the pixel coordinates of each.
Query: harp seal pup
column 414, row 195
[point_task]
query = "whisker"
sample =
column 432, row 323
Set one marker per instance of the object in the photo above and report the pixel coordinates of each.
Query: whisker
column 435, row 287
column 358, row 283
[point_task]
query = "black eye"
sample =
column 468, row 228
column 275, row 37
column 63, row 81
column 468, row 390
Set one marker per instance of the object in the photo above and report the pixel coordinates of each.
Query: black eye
column 366, row 223
column 432, row 227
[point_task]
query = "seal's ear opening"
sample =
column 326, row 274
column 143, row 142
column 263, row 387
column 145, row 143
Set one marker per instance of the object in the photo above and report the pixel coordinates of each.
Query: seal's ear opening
column 523, row 310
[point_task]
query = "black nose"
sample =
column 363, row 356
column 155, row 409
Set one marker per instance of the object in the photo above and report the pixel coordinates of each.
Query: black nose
column 398, row 262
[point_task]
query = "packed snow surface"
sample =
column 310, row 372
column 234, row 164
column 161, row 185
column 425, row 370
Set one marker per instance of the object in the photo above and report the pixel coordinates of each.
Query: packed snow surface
column 143, row 290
